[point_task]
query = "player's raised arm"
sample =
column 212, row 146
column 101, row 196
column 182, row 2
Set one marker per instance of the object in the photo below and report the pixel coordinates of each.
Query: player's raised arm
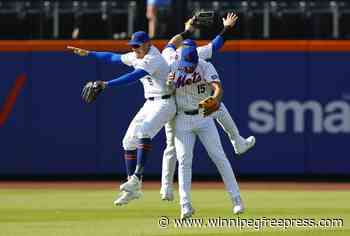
column 206, row 52
column 169, row 52
column 229, row 22
column 176, row 41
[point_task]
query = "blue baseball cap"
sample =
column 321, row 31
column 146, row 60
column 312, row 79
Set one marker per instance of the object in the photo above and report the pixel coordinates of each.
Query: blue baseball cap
column 138, row 38
column 189, row 42
column 188, row 56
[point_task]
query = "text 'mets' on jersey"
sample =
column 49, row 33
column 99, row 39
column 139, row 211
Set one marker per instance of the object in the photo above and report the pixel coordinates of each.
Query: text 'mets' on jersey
column 154, row 64
column 193, row 88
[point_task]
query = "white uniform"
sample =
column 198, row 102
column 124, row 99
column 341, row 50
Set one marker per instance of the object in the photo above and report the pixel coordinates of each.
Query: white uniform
column 156, row 111
column 222, row 116
column 190, row 90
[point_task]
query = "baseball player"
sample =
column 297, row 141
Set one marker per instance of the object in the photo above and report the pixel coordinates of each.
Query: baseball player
column 195, row 80
column 152, row 70
column 222, row 116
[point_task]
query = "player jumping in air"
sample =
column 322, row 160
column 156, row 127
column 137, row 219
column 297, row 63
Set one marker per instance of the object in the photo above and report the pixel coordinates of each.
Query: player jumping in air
column 152, row 70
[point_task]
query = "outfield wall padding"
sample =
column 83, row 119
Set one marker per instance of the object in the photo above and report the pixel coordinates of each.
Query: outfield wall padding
column 294, row 96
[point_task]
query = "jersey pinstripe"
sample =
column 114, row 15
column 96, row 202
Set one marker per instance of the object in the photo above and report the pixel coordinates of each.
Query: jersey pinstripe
column 193, row 88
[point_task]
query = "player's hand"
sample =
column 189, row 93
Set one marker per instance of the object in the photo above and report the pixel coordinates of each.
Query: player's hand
column 170, row 79
column 189, row 25
column 230, row 20
column 78, row 51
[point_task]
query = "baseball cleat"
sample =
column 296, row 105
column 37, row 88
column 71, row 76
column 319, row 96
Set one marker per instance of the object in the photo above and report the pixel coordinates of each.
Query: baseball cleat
column 132, row 185
column 239, row 207
column 187, row 211
column 126, row 197
column 167, row 195
column 244, row 145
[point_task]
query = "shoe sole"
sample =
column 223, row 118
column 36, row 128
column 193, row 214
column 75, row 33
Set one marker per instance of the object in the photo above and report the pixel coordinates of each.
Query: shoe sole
column 125, row 203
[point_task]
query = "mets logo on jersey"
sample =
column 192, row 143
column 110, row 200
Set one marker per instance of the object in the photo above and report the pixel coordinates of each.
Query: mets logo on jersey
column 183, row 80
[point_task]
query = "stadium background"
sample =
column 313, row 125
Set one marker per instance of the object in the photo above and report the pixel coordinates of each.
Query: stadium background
column 293, row 96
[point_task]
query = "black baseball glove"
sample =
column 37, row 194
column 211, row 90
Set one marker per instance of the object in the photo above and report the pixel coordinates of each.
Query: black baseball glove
column 91, row 90
column 204, row 18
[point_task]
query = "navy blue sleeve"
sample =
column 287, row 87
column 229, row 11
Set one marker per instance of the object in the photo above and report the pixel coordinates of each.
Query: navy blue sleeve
column 107, row 57
column 128, row 78
column 217, row 43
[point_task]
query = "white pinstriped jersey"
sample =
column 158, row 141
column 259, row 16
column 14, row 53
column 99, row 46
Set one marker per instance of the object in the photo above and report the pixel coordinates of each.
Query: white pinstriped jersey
column 153, row 63
column 193, row 88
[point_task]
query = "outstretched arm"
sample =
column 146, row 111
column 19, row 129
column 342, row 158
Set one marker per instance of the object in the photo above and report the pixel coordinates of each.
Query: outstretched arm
column 92, row 89
column 105, row 56
column 128, row 78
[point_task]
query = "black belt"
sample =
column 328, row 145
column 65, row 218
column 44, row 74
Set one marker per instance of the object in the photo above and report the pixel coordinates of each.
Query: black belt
column 192, row 112
column 162, row 97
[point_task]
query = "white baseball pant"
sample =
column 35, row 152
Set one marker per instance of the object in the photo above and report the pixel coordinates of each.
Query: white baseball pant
column 225, row 120
column 187, row 128
column 149, row 121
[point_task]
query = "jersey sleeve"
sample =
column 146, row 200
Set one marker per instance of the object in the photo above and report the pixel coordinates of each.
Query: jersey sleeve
column 169, row 54
column 211, row 75
column 205, row 52
column 128, row 58
column 149, row 64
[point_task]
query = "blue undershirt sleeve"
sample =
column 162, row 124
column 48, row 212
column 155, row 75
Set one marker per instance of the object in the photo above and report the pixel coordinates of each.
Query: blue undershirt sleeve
column 217, row 43
column 109, row 57
column 128, row 78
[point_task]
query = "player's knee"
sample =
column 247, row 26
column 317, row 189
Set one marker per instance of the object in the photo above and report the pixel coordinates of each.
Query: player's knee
column 129, row 143
column 184, row 160
column 147, row 130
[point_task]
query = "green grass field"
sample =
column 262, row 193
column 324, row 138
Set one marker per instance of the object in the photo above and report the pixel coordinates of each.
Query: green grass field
column 86, row 212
